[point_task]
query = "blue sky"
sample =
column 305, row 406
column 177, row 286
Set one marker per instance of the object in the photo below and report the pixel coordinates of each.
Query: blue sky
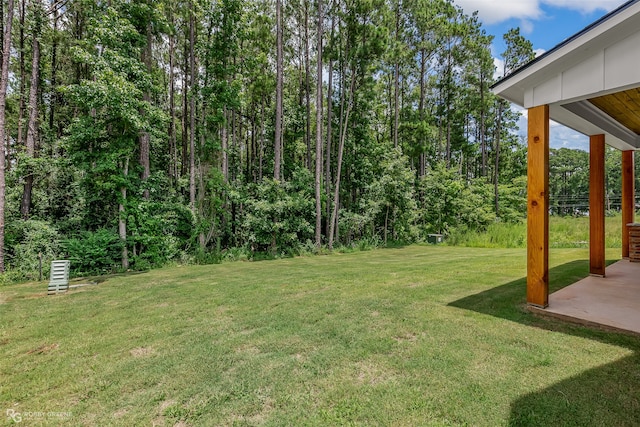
column 546, row 23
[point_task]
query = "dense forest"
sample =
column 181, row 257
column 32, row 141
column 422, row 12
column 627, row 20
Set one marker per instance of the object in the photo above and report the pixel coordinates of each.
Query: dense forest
column 141, row 132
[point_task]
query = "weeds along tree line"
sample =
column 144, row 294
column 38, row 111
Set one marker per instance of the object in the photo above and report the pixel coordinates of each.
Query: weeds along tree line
column 141, row 132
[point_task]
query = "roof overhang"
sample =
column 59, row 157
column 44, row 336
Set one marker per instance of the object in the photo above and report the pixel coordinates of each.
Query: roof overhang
column 582, row 78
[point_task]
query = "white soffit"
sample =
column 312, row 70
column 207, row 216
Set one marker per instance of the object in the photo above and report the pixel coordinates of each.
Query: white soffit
column 587, row 119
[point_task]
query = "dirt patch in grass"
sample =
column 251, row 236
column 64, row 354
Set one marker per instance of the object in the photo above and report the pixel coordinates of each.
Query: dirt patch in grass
column 160, row 420
column 39, row 295
column 248, row 349
column 258, row 418
column 408, row 337
column 44, row 348
column 142, row 352
column 369, row 372
column 120, row 413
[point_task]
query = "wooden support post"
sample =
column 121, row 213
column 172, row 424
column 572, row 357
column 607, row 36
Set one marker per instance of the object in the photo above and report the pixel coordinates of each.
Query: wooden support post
column 538, row 207
column 628, row 199
column 596, row 205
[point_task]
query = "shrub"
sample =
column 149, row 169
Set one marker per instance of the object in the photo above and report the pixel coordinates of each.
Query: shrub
column 278, row 216
column 25, row 241
column 94, row 252
column 159, row 231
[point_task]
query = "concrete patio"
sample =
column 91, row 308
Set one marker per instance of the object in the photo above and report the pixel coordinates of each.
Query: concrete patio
column 612, row 302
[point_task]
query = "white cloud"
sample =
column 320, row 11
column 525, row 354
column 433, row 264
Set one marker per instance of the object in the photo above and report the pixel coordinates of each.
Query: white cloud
column 526, row 26
column 559, row 135
column 585, row 6
column 493, row 12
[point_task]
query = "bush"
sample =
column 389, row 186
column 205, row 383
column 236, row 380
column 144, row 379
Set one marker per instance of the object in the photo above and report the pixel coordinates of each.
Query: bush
column 159, row 232
column 25, row 241
column 278, row 216
column 94, row 252
column 450, row 205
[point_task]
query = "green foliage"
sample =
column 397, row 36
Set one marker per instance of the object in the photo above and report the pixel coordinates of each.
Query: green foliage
column 440, row 190
column 568, row 181
column 214, row 217
column 449, row 205
column 476, row 210
column 94, row 252
column 159, row 232
column 518, row 51
column 278, row 216
column 26, row 241
column 513, row 200
column 446, row 201
column 390, row 199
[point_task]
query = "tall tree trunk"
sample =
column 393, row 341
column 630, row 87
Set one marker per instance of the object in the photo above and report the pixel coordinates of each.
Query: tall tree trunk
column 1, row 32
column 343, row 136
column 423, row 66
column 327, row 177
column 32, row 126
column 23, row 78
column 201, row 195
column 278, row 119
column 4, row 80
column 232, row 144
column 173, row 160
column 225, row 145
column 483, row 144
column 449, row 99
column 192, row 110
column 319, row 129
column 252, row 141
column 54, row 70
column 341, row 124
column 386, row 224
column 396, row 81
column 185, row 111
column 122, row 222
column 145, row 138
column 262, row 138
column 307, row 85
column 203, row 165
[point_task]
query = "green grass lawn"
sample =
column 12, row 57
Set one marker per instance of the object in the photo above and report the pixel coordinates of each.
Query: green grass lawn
column 420, row 335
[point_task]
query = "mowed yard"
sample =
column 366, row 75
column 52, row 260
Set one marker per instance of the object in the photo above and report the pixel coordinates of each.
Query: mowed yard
column 419, row 335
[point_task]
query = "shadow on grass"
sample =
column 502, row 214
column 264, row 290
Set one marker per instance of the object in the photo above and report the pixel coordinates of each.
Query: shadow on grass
column 508, row 301
column 606, row 395
column 105, row 277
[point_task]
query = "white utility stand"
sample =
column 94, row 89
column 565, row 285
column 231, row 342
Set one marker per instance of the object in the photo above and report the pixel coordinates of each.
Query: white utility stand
column 59, row 277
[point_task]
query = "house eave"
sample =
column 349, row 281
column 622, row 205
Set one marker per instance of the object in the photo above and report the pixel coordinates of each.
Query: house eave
column 612, row 28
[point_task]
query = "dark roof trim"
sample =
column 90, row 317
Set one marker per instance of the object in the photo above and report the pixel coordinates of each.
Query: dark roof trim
column 566, row 41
